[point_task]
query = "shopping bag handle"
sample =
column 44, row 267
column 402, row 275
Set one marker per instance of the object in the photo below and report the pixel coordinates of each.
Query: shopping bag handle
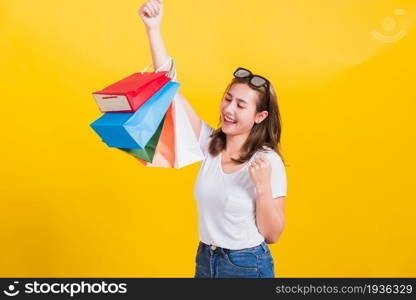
column 171, row 69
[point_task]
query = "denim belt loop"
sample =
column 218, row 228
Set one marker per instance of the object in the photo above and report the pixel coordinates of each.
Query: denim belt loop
column 264, row 246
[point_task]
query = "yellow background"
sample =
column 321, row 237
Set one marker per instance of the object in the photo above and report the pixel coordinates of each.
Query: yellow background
column 71, row 206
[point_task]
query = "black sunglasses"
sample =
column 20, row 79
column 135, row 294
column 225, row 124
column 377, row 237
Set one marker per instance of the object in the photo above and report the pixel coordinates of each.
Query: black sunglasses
column 255, row 80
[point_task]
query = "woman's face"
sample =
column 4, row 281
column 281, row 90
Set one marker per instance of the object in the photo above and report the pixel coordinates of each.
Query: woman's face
column 238, row 110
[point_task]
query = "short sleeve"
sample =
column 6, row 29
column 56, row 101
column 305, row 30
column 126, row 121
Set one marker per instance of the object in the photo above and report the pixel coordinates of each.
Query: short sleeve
column 204, row 137
column 278, row 176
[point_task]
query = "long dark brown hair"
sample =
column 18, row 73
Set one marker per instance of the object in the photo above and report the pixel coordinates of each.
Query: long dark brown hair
column 266, row 133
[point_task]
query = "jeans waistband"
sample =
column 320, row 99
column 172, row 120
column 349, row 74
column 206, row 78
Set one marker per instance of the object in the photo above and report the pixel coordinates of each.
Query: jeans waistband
column 262, row 244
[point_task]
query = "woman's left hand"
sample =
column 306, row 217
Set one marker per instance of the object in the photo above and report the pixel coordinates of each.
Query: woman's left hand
column 260, row 171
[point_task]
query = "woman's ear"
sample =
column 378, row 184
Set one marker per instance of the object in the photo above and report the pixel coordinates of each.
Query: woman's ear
column 261, row 116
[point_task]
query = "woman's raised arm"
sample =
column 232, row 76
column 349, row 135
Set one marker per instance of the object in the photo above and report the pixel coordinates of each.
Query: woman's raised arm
column 151, row 14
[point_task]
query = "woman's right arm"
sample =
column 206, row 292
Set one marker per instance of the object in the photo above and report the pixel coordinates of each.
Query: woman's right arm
column 151, row 14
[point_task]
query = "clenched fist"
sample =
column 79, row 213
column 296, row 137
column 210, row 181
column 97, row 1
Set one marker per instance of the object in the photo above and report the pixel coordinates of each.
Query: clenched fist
column 151, row 13
column 260, row 171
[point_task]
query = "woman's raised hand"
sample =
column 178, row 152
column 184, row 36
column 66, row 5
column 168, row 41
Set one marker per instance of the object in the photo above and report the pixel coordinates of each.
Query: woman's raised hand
column 260, row 172
column 151, row 13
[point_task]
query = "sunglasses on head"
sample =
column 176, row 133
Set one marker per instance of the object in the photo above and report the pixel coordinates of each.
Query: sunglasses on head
column 254, row 80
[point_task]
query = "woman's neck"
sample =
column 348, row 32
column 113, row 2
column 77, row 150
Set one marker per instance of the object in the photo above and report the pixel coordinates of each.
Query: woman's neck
column 234, row 144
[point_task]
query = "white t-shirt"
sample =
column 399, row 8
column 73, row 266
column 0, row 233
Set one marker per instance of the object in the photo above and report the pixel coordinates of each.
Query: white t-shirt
column 226, row 202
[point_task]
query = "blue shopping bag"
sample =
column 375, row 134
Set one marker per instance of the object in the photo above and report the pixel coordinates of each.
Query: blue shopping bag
column 134, row 130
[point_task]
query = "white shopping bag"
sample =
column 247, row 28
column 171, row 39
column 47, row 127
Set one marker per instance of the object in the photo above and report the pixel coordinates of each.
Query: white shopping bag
column 187, row 148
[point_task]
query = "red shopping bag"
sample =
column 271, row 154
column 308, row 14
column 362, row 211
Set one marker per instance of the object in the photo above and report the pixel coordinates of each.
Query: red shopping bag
column 128, row 94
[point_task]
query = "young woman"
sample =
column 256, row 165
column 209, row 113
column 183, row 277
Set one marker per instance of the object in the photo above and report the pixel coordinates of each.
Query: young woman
column 241, row 185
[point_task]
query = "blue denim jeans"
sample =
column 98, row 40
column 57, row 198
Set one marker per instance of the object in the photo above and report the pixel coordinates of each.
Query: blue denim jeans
column 217, row 262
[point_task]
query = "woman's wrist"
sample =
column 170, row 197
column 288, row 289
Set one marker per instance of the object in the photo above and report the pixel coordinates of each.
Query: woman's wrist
column 263, row 189
column 150, row 30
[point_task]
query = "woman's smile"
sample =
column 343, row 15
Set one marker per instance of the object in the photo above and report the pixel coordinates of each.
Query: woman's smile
column 228, row 121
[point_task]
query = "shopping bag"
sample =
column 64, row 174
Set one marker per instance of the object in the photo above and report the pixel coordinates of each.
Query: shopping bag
column 134, row 130
column 148, row 152
column 165, row 150
column 128, row 94
column 187, row 148
column 178, row 144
